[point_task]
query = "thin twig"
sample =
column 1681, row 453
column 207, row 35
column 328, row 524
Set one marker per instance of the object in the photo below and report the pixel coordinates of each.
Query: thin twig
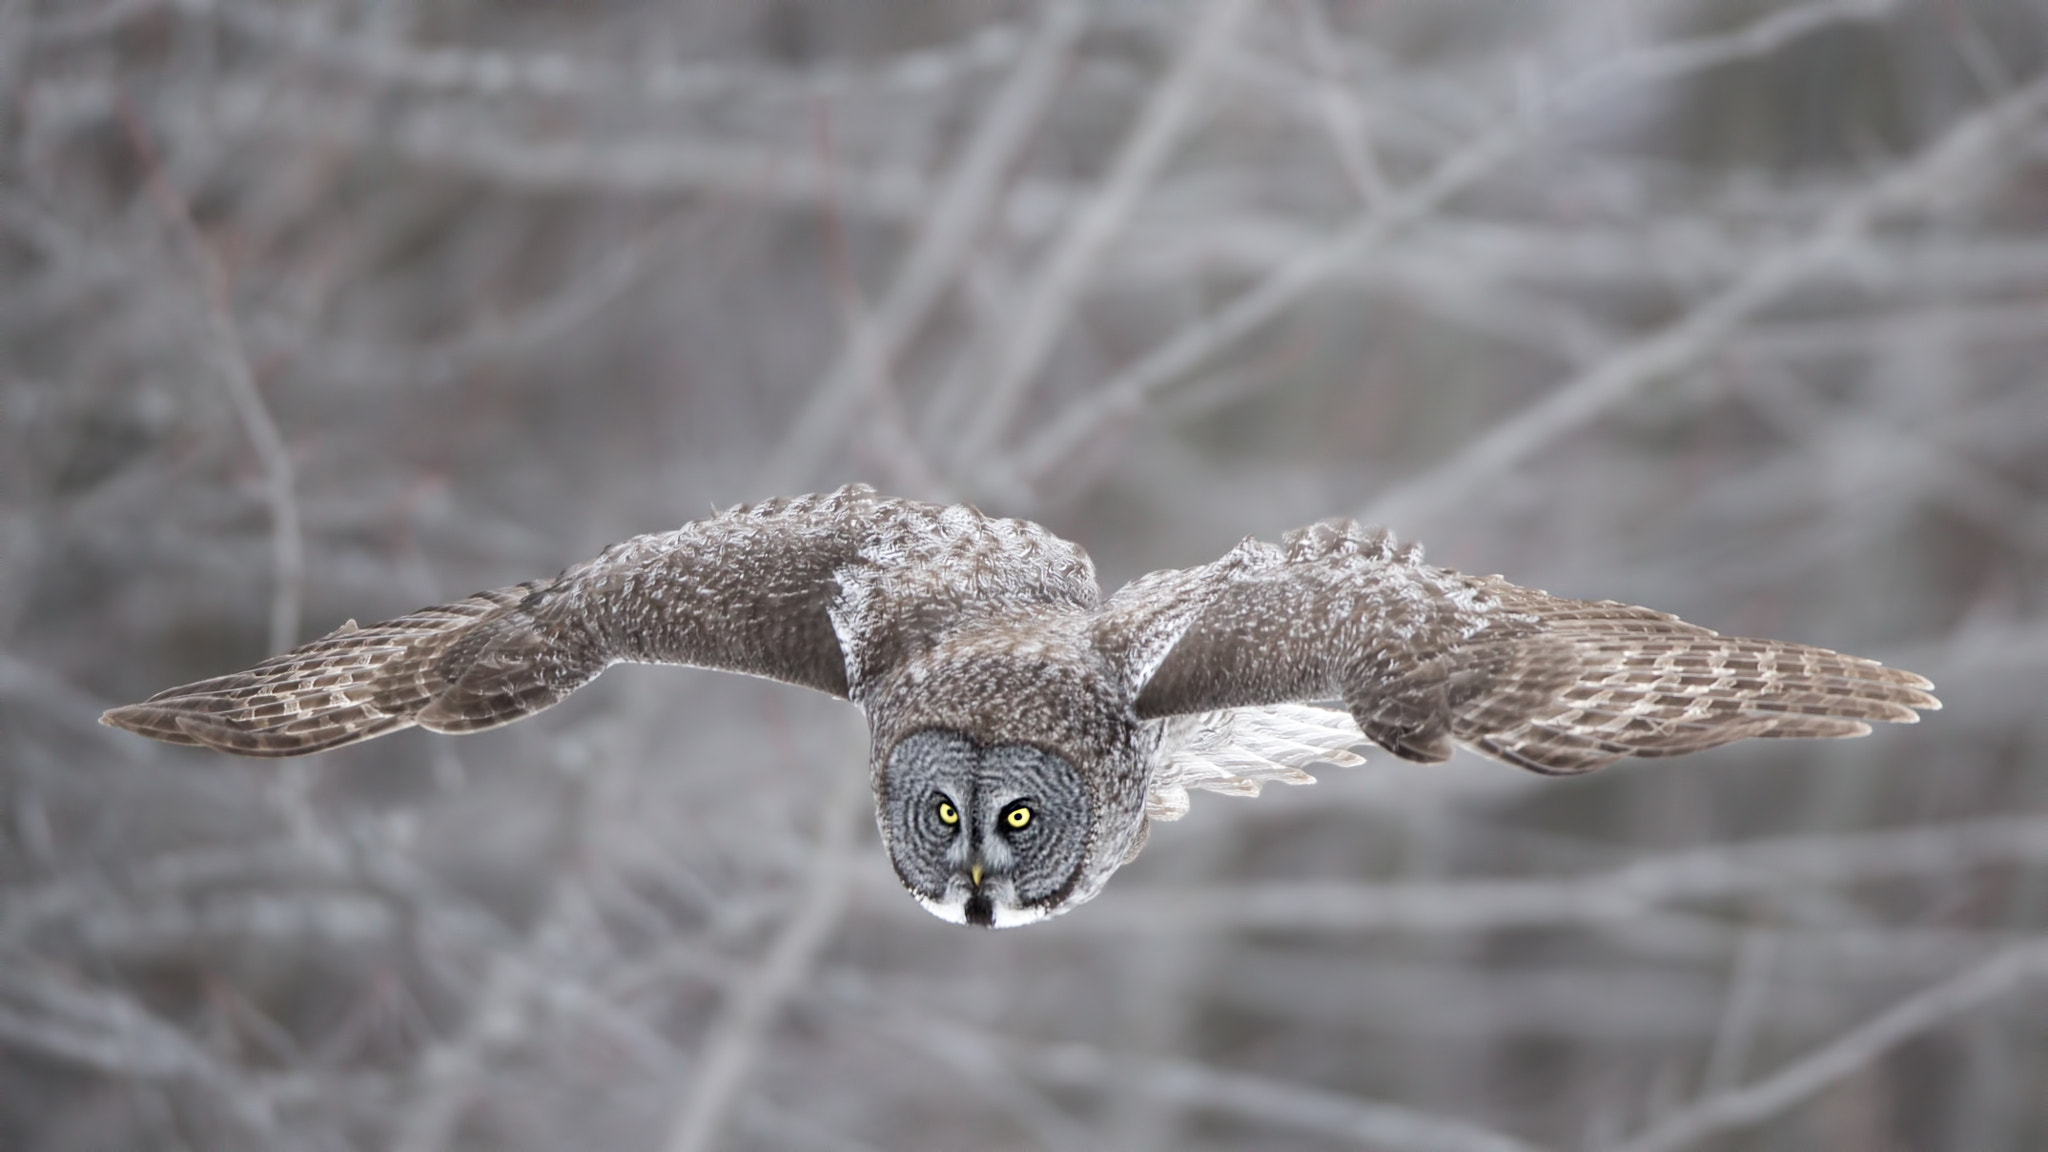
column 107, row 1031
column 734, row 1041
column 287, row 544
column 1973, row 144
column 873, row 340
column 488, row 73
column 1748, row 988
column 439, row 137
column 1343, row 116
column 1126, row 393
column 498, row 1014
column 1028, row 339
column 1741, row 1107
column 1258, row 1099
column 1759, row 867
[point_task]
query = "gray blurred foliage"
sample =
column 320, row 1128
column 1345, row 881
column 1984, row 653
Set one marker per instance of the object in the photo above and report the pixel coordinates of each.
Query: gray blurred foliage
column 335, row 308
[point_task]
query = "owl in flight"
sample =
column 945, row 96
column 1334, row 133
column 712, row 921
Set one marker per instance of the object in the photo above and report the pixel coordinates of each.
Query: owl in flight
column 1023, row 727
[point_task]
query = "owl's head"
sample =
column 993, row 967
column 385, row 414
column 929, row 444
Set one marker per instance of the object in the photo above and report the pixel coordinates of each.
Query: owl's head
column 994, row 835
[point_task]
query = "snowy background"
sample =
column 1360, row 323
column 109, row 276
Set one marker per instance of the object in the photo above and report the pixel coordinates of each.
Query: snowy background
column 336, row 308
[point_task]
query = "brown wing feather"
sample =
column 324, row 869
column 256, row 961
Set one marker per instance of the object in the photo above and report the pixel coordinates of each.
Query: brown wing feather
column 748, row 590
column 365, row 681
column 1648, row 684
column 1427, row 658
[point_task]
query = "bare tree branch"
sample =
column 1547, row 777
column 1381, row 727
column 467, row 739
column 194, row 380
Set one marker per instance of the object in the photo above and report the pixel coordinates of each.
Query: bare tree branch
column 1790, row 1086
column 1028, row 340
column 733, row 1043
column 513, row 278
column 1127, row 391
column 1747, row 987
column 287, row 543
column 104, row 1029
column 309, row 33
column 1971, row 146
column 1367, row 1123
column 873, row 340
column 1756, row 868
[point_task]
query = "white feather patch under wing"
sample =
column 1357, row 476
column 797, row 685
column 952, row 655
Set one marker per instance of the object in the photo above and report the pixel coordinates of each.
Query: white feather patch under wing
column 1240, row 750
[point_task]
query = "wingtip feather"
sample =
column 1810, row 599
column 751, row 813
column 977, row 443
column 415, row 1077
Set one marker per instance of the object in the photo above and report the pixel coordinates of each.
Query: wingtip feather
column 145, row 719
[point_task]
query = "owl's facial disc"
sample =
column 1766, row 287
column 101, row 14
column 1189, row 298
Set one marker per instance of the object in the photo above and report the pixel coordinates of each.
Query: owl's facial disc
column 990, row 835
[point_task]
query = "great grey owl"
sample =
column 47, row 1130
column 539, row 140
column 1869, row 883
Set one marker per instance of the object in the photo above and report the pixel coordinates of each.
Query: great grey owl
column 1023, row 727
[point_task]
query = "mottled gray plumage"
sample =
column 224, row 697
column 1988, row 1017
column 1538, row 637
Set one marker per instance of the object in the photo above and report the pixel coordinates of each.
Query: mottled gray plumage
column 996, row 679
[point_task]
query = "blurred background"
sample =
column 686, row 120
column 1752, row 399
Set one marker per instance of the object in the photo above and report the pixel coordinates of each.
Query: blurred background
column 336, row 308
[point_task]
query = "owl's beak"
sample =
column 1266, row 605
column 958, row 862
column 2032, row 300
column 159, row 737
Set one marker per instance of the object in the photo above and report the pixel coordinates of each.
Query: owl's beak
column 974, row 871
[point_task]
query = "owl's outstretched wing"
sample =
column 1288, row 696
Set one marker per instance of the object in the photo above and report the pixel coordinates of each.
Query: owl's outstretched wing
column 1426, row 658
column 749, row 590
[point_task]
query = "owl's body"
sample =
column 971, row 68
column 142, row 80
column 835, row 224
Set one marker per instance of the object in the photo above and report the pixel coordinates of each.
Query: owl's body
column 1023, row 725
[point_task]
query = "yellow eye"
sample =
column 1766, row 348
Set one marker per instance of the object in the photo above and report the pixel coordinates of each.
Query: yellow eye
column 948, row 814
column 1018, row 817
